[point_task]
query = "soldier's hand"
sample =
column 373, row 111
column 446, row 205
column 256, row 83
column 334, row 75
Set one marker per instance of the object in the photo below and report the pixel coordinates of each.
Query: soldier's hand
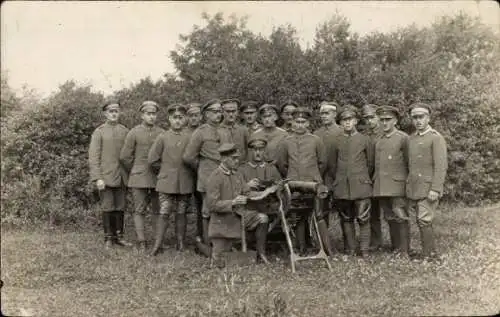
column 253, row 183
column 433, row 195
column 100, row 184
column 240, row 200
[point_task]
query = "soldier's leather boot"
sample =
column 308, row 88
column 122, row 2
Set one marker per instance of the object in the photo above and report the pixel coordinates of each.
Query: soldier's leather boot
column 404, row 238
column 180, row 230
column 394, row 232
column 325, row 237
column 139, row 228
column 350, row 237
column 344, row 237
column 108, row 233
column 364, row 238
column 428, row 245
column 161, row 227
column 261, row 239
column 120, row 229
column 205, row 222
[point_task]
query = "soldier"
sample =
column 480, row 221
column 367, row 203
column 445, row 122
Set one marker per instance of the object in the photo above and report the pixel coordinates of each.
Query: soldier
column 428, row 162
column 226, row 200
column 287, row 110
column 193, row 116
column 108, row 174
column 391, row 171
column 351, row 161
column 231, row 131
column 249, row 112
column 302, row 157
column 373, row 130
column 134, row 156
column 268, row 115
column 175, row 180
column 201, row 153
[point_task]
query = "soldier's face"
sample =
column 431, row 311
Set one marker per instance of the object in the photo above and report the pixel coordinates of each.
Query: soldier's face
column 327, row 116
column 388, row 123
column 287, row 114
column 371, row 120
column 194, row 118
column 349, row 124
column 112, row 114
column 230, row 112
column 268, row 119
column 257, row 154
column 232, row 161
column 149, row 117
column 421, row 121
column 300, row 125
column 250, row 115
column 177, row 120
column 214, row 114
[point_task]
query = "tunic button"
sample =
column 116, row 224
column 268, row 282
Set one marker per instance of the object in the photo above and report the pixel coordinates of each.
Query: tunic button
column 390, row 157
column 419, row 175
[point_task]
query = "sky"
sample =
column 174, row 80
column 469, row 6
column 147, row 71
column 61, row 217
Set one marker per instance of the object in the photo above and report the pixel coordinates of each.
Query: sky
column 112, row 45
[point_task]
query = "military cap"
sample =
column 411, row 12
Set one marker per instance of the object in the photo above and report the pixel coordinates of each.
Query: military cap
column 420, row 108
column 329, row 104
column 209, row 103
column 266, row 107
column 110, row 102
column 369, row 109
column 289, row 103
column 302, row 112
column 194, row 107
column 348, row 111
column 148, row 105
column 258, row 142
column 232, row 100
column 227, row 149
column 251, row 104
column 383, row 111
column 176, row 107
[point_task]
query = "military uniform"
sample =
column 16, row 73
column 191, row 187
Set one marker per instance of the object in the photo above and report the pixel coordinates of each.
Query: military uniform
column 351, row 164
column 252, row 106
column 236, row 134
column 428, row 162
column 175, row 180
column 273, row 138
column 104, row 163
column 391, row 171
column 225, row 218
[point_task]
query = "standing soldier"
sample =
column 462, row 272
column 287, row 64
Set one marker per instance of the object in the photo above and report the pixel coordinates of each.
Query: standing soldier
column 108, row 174
column 202, row 155
column 302, row 157
column 231, row 131
column 193, row 116
column 391, row 172
column 351, row 161
column 428, row 162
column 226, row 199
column 373, row 130
column 134, row 156
column 249, row 112
column 268, row 115
column 287, row 110
column 175, row 180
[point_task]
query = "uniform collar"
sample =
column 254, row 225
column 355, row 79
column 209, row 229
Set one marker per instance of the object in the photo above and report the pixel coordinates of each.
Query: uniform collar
column 225, row 170
column 354, row 133
column 390, row 134
column 254, row 165
column 145, row 126
column 176, row 132
column 429, row 129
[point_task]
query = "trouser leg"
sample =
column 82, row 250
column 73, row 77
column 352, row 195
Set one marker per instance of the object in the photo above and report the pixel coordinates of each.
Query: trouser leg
column 180, row 221
column 106, row 223
column 347, row 215
column 140, row 198
column 425, row 215
column 362, row 208
column 375, row 225
column 198, row 200
column 261, row 240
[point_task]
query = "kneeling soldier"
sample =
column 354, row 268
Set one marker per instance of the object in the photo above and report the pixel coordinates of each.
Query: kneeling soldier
column 109, row 175
column 427, row 166
column 351, row 162
column 391, row 171
column 134, row 156
column 175, row 180
column 226, row 201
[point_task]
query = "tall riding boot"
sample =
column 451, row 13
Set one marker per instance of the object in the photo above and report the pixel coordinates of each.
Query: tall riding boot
column 404, row 238
column 139, row 230
column 120, row 228
column 261, row 238
column 325, row 237
column 161, row 227
column 364, row 238
column 394, row 230
column 300, row 233
column 427, row 237
column 108, row 233
column 180, row 230
column 350, row 237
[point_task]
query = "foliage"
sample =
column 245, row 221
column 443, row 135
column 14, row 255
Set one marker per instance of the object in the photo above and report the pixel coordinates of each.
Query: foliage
column 453, row 64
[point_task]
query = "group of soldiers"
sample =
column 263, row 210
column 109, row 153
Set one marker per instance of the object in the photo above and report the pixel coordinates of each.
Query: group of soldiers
column 218, row 155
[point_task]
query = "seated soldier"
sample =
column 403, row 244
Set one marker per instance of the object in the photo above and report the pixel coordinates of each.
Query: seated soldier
column 226, row 201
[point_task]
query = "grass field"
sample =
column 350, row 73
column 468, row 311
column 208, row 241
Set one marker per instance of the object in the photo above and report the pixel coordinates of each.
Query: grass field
column 66, row 273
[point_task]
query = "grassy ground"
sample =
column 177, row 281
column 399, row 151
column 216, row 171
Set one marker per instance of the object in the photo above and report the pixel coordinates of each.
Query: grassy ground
column 61, row 273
